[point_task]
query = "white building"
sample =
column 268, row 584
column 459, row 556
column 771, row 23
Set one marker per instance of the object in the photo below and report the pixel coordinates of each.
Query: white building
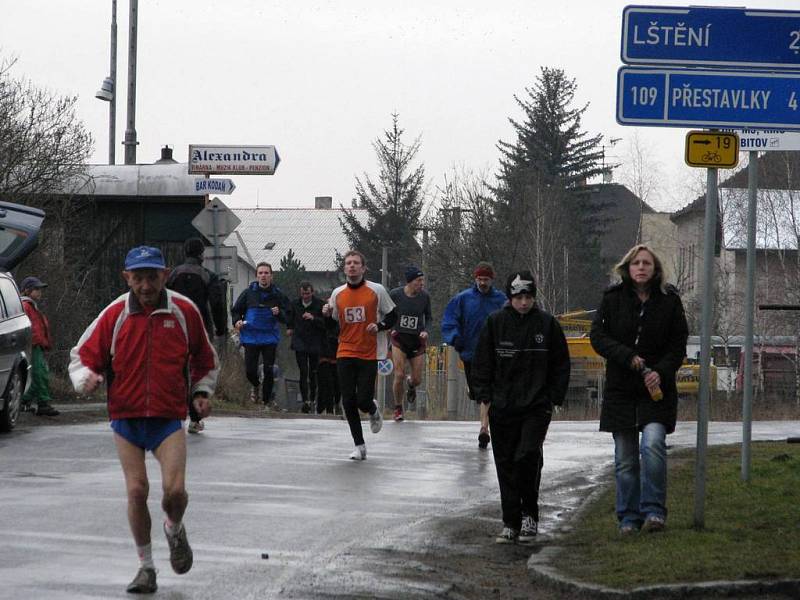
column 314, row 235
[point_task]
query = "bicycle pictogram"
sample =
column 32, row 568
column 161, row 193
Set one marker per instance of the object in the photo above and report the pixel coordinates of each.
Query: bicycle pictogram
column 711, row 157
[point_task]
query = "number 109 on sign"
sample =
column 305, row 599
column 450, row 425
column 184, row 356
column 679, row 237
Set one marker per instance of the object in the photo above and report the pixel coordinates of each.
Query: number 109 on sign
column 705, row 98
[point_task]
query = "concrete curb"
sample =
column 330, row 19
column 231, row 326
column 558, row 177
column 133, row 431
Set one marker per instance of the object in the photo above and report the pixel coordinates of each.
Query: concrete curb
column 541, row 570
column 80, row 407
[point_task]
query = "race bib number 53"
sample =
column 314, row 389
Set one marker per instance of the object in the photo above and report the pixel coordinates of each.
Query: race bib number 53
column 355, row 314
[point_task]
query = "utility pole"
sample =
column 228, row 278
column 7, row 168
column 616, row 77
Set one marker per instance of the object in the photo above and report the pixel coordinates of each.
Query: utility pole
column 607, row 176
column 749, row 302
column 566, row 279
column 456, row 226
column 425, row 231
column 108, row 89
column 112, row 106
column 130, row 132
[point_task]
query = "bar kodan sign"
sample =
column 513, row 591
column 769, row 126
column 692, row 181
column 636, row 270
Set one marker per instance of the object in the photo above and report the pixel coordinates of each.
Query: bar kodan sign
column 233, row 160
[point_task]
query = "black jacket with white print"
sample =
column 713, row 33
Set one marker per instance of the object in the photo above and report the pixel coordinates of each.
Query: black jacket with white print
column 521, row 362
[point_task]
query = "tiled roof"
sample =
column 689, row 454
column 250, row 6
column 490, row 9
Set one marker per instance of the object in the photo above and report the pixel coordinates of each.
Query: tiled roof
column 313, row 234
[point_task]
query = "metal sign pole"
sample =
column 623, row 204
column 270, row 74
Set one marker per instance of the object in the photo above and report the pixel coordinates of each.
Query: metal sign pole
column 215, row 235
column 452, row 383
column 747, row 400
column 384, row 283
column 709, row 237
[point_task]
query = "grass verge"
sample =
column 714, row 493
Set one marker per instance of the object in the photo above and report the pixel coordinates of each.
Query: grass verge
column 752, row 530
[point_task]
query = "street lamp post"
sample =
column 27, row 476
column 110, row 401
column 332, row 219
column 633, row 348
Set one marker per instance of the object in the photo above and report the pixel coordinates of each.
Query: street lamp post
column 130, row 131
column 108, row 89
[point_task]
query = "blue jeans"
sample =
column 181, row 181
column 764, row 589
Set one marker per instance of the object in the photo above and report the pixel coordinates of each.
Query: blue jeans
column 641, row 485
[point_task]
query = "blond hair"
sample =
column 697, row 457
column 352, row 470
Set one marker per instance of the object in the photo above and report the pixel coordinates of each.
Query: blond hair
column 622, row 268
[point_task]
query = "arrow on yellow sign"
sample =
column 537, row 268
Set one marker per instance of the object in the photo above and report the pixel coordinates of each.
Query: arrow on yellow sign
column 712, row 149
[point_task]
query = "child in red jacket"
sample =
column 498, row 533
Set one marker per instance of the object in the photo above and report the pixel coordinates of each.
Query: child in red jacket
column 39, row 390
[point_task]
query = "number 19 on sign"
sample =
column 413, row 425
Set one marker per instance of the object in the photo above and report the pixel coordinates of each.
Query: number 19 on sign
column 712, row 149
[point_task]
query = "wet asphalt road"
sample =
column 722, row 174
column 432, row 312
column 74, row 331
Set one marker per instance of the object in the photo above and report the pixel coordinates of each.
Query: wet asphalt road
column 280, row 488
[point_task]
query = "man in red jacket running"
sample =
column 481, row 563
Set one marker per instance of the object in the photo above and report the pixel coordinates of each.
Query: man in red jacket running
column 152, row 349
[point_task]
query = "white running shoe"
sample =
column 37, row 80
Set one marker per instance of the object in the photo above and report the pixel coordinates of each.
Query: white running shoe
column 507, row 536
column 360, row 453
column 195, row 427
column 376, row 419
column 529, row 530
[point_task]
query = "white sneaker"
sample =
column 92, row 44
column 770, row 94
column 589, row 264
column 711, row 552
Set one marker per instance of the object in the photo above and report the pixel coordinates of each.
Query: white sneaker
column 376, row 419
column 360, row 453
column 529, row 530
column 507, row 536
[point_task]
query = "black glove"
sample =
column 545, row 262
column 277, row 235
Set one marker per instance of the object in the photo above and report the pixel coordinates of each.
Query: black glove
column 458, row 343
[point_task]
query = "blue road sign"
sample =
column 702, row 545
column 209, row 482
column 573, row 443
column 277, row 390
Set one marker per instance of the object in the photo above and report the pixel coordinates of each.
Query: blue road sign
column 385, row 367
column 711, row 37
column 214, row 186
column 706, row 98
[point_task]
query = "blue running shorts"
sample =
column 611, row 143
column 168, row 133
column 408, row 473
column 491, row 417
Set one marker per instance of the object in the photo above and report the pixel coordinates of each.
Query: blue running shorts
column 146, row 432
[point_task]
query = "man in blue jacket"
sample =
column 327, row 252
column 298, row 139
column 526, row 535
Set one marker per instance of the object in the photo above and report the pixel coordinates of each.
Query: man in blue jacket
column 462, row 322
column 256, row 315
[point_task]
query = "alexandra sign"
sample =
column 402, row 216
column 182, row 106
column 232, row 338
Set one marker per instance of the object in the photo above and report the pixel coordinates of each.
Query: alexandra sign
column 233, row 160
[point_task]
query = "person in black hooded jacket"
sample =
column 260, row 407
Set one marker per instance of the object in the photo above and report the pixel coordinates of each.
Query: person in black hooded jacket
column 521, row 370
column 640, row 329
column 306, row 327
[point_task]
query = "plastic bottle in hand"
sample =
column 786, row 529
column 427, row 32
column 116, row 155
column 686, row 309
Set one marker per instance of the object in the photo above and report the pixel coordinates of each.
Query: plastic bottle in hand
column 655, row 391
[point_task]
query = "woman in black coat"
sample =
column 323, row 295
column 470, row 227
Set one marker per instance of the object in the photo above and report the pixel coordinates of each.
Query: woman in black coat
column 640, row 329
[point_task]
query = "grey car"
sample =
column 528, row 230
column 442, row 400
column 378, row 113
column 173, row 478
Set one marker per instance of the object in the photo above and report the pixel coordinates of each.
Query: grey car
column 19, row 233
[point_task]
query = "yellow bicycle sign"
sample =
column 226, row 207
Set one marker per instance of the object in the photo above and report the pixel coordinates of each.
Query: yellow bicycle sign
column 712, row 149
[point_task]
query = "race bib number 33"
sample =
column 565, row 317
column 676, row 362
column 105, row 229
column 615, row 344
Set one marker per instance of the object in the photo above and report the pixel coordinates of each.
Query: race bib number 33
column 355, row 314
column 408, row 322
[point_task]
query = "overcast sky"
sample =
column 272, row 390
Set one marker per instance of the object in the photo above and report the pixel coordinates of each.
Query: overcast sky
column 320, row 80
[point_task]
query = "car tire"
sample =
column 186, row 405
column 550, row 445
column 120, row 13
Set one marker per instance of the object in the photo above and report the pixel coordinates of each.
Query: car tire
column 11, row 402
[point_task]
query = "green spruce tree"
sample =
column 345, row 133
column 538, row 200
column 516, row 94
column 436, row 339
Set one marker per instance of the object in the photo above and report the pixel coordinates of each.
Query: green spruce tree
column 393, row 203
column 540, row 210
column 290, row 274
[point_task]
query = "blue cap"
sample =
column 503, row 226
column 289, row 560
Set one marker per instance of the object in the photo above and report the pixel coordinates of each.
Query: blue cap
column 32, row 283
column 144, row 257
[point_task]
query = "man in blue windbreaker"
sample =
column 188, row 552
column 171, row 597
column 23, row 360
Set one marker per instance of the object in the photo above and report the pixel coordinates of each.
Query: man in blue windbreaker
column 256, row 315
column 462, row 322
